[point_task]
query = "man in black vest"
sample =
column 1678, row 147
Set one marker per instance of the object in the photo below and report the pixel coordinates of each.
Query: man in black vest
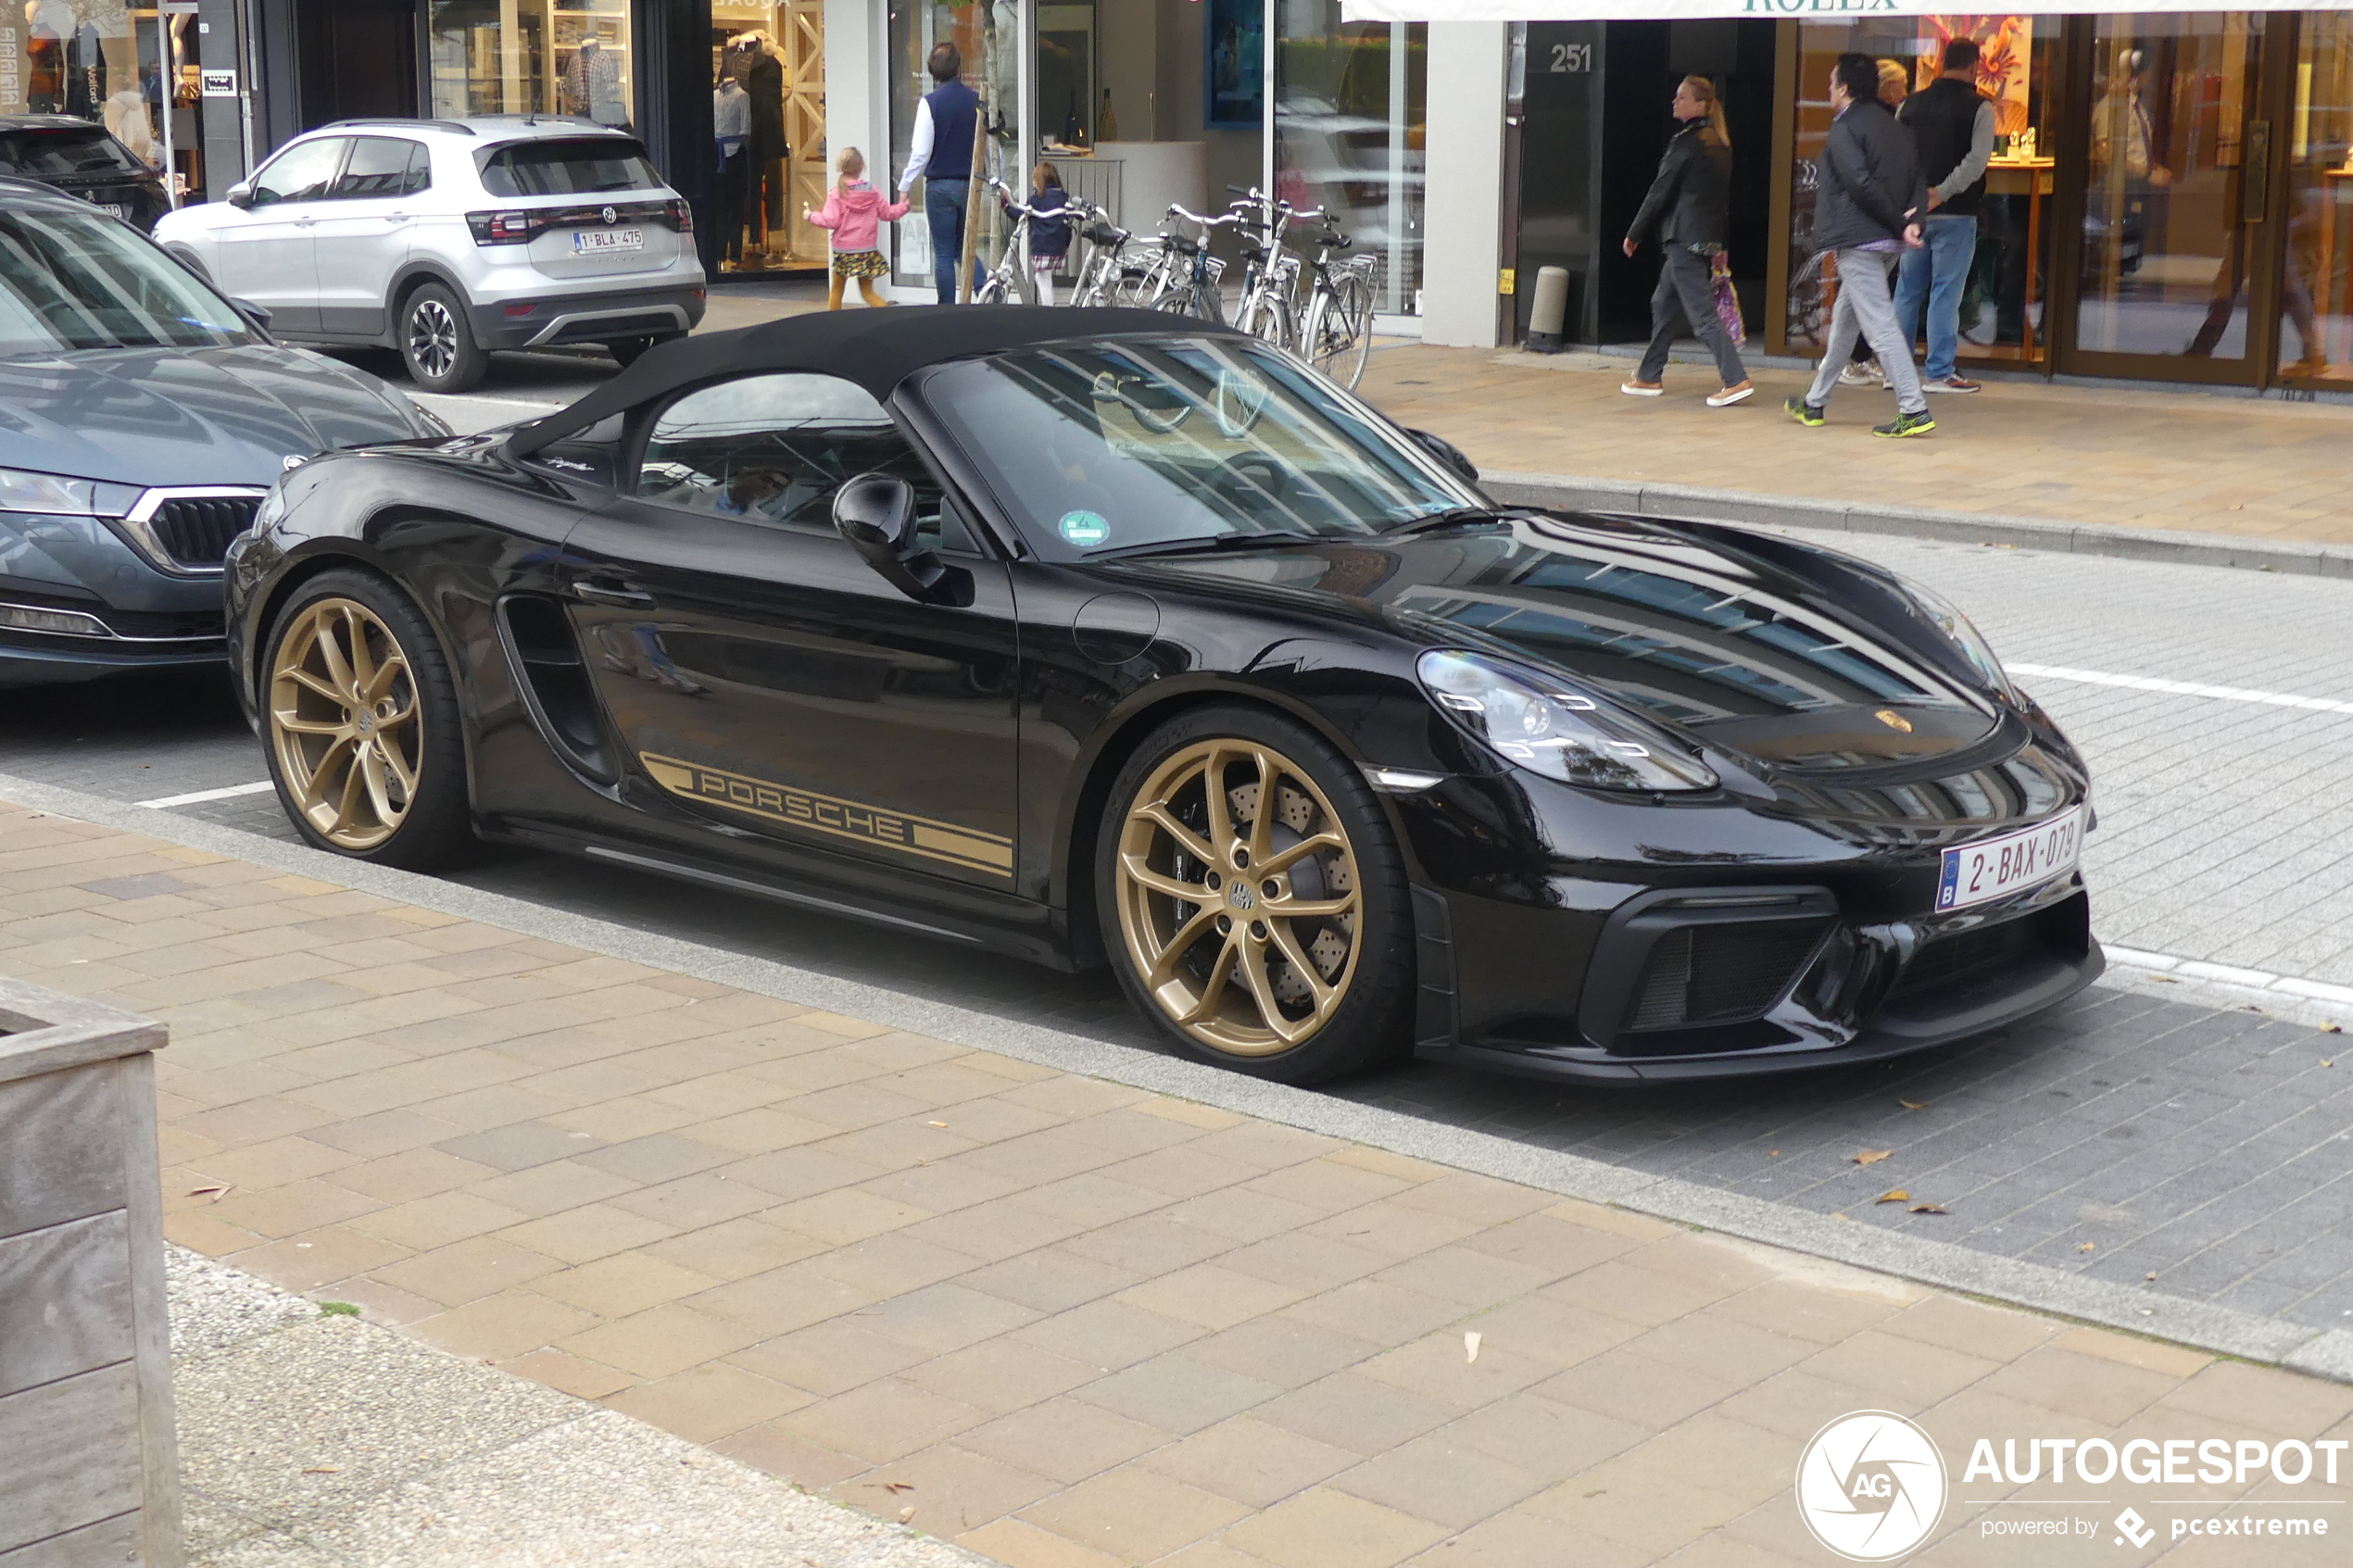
column 945, row 123
column 1952, row 124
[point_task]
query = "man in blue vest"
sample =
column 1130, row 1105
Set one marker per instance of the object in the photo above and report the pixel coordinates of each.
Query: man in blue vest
column 945, row 123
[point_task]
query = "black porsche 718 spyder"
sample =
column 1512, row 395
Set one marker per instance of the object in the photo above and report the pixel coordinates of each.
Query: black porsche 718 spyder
column 1094, row 636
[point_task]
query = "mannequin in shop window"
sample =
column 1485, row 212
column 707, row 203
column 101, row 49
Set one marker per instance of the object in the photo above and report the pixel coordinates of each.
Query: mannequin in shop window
column 752, row 60
column 592, row 84
column 731, row 124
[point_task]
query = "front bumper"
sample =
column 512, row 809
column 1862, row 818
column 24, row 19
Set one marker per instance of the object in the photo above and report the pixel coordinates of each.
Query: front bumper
column 549, row 321
column 1734, row 982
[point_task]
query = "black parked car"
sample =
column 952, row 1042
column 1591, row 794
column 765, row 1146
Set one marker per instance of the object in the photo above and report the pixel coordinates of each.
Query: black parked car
column 141, row 418
column 1087, row 637
column 83, row 159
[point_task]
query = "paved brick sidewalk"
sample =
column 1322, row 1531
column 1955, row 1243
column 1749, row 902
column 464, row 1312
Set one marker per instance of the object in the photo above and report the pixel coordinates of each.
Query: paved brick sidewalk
column 1067, row 1323
column 2191, row 460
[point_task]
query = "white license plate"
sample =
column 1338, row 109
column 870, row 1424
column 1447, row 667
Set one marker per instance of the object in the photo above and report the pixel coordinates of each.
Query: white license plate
column 1976, row 873
column 589, row 242
column 112, row 209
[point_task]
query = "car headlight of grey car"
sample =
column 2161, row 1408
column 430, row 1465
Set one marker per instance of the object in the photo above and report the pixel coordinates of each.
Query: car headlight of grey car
column 51, row 494
column 1546, row 726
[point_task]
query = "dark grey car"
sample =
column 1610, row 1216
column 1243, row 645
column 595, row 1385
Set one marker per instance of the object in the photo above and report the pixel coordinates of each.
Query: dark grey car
column 142, row 419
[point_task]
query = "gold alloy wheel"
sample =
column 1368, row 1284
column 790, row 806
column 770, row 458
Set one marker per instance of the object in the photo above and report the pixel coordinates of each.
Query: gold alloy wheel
column 1239, row 897
column 343, row 724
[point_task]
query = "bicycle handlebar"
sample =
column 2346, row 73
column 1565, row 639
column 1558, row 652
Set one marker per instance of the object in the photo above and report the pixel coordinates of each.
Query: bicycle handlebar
column 1224, row 221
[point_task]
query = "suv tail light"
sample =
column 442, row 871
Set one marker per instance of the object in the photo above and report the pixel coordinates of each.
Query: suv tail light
column 505, row 227
column 679, row 214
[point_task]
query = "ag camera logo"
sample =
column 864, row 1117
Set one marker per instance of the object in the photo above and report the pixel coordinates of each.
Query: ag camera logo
column 1870, row 1485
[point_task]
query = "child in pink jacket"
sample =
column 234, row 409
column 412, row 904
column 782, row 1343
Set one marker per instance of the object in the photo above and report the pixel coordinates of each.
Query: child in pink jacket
column 855, row 211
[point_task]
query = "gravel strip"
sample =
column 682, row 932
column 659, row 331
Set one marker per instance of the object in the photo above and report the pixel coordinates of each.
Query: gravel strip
column 315, row 1441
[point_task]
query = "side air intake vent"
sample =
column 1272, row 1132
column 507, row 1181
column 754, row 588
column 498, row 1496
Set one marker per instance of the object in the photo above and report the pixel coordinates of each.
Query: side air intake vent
column 1704, row 974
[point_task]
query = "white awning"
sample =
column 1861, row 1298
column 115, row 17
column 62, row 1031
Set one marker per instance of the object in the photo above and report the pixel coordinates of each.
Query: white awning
column 1809, row 10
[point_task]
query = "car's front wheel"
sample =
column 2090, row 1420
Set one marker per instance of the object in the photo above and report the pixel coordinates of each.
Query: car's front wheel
column 360, row 721
column 437, row 342
column 1253, row 898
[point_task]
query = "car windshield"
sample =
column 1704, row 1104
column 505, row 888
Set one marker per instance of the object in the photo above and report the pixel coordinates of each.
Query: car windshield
column 68, row 153
column 72, row 281
column 1140, row 443
column 573, row 166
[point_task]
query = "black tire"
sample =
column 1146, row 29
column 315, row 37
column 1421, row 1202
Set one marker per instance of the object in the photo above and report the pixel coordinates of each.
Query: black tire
column 1367, row 1023
column 437, row 341
column 434, row 825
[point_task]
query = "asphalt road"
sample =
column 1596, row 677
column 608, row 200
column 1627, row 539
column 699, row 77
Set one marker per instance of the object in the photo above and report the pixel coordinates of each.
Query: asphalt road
column 2197, row 1140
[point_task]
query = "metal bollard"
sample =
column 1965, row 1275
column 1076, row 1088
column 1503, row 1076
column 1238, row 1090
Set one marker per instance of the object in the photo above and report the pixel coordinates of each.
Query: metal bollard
column 1549, row 315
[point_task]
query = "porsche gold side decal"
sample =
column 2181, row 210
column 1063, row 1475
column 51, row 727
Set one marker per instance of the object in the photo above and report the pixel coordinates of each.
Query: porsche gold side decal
column 825, row 813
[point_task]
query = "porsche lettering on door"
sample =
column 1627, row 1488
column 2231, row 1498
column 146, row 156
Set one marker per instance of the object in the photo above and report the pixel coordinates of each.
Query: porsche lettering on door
column 827, row 814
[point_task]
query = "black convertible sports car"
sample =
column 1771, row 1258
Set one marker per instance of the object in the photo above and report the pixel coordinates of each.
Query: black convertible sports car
column 1094, row 636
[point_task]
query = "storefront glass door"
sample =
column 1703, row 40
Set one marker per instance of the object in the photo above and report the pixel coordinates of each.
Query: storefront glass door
column 2177, row 263
column 2317, row 286
column 991, row 40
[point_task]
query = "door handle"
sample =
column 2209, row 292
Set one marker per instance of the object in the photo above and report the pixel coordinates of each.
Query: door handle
column 609, row 591
column 2255, row 172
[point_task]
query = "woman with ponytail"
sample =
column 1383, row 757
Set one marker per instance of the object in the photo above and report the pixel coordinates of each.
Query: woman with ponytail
column 1689, row 206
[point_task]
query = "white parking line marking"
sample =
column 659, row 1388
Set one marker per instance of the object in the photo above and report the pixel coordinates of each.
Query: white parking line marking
column 198, row 797
column 2181, row 688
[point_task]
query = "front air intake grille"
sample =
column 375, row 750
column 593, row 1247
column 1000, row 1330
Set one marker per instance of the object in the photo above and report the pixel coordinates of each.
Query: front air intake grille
column 1706, row 974
column 195, row 530
column 1969, row 953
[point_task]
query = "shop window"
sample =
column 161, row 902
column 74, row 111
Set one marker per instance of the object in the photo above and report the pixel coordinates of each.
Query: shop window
column 1350, row 133
column 132, row 70
column 531, row 57
column 768, row 110
column 2003, row 302
column 2316, row 342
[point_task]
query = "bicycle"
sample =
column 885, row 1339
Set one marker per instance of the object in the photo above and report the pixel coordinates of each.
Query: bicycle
column 1106, row 266
column 1195, row 293
column 1270, row 277
column 1336, row 330
column 1009, row 282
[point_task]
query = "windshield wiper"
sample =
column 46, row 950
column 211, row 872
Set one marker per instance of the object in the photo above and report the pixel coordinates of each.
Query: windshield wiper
column 1454, row 516
column 1216, row 542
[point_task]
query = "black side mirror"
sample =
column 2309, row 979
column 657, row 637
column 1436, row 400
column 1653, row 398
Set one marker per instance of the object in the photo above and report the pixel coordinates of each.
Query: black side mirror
column 1448, row 452
column 876, row 513
column 260, row 315
column 240, row 197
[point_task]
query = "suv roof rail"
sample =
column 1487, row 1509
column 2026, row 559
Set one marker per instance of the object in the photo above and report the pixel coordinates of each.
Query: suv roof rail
column 551, row 119
column 460, row 126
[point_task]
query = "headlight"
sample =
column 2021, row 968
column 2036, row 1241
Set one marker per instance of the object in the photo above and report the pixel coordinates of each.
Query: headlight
column 1546, row 728
column 23, row 492
column 1939, row 613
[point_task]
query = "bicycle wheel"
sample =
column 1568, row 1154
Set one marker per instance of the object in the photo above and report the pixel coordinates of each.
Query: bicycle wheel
column 1339, row 335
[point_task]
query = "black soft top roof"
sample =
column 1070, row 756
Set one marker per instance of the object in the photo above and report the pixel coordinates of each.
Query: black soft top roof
column 875, row 348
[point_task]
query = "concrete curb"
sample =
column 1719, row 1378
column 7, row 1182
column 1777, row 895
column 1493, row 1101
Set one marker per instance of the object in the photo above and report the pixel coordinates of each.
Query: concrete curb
column 1577, row 492
column 1947, row 1265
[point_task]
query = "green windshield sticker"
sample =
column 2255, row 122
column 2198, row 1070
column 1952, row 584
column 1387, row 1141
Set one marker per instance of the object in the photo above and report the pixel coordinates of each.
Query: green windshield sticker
column 1085, row 528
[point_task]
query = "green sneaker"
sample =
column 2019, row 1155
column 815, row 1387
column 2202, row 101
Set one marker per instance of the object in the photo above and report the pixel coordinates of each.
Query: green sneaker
column 1907, row 424
column 1804, row 413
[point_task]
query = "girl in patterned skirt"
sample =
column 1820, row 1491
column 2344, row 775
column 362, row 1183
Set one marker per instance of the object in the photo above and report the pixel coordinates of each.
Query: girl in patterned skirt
column 855, row 211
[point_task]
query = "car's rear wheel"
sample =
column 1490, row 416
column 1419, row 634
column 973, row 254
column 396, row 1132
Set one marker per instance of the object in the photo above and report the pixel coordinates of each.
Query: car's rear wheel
column 437, row 343
column 361, row 721
column 1253, row 898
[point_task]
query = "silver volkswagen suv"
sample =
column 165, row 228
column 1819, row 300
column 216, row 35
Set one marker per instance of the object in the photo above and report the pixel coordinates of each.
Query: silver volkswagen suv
column 447, row 239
